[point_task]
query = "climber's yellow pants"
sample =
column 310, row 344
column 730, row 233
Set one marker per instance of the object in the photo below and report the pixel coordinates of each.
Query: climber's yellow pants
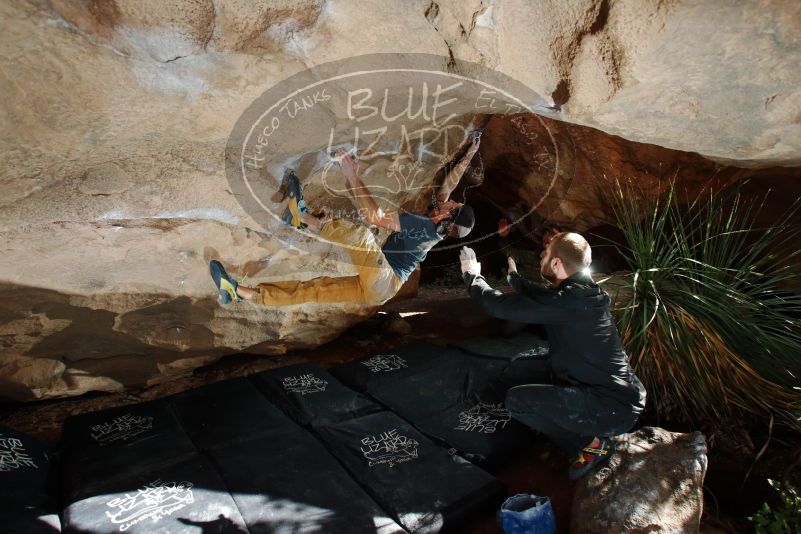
column 375, row 282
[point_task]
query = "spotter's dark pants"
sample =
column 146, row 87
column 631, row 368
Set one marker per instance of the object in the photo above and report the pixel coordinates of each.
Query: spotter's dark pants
column 569, row 416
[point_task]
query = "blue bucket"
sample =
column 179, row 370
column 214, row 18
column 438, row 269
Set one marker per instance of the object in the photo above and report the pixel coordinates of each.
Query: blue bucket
column 527, row 514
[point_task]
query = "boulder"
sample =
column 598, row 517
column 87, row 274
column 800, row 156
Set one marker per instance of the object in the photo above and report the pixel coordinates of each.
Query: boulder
column 115, row 117
column 660, row 73
column 569, row 174
column 653, row 484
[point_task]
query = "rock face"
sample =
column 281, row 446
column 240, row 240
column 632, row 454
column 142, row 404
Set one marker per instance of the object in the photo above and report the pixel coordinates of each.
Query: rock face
column 569, row 174
column 653, row 484
column 660, row 73
column 115, row 116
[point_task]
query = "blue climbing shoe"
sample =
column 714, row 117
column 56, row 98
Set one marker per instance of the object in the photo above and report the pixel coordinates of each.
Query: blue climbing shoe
column 290, row 187
column 225, row 284
column 589, row 457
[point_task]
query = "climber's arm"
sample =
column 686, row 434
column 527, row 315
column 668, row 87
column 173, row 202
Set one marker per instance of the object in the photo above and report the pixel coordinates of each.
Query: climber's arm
column 367, row 205
column 455, row 175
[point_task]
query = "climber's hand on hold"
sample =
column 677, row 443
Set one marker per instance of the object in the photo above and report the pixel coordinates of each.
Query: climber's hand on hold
column 349, row 164
column 476, row 142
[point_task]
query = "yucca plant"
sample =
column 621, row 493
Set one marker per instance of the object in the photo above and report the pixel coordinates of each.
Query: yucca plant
column 705, row 319
column 784, row 519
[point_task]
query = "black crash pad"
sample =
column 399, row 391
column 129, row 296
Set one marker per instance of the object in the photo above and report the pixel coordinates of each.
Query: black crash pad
column 419, row 483
column 420, row 378
column 386, row 366
column 311, row 395
column 479, row 429
column 182, row 497
column 459, row 401
column 112, row 442
column 224, row 412
column 286, row 481
column 437, row 385
column 25, row 484
column 522, row 345
column 449, row 395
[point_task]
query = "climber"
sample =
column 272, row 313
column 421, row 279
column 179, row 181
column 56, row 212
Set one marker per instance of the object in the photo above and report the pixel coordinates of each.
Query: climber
column 592, row 393
column 381, row 270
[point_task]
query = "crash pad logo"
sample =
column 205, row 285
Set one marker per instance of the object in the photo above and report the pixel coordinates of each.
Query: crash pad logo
column 530, row 353
column 121, row 428
column 153, row 501
column 304, row 384
column 382, row 363
column 13, row 455
column 484, row 418
column 389, row 448
column 408, row 118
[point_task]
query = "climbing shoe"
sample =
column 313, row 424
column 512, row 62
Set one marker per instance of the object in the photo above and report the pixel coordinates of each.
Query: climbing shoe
column 589, row 457
column 291, row 189
column 226, row 285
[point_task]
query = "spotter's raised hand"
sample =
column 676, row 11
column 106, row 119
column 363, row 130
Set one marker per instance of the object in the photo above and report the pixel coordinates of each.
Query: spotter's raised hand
column 470, row 263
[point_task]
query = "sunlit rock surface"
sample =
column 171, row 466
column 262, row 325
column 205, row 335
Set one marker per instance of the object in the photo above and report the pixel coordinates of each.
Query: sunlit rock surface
column 115, row 114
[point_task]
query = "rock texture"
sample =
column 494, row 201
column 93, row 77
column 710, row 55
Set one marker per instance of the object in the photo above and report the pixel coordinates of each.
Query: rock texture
column 653, row 484
column 569, row 174
column 661, row 73
column 115, row 115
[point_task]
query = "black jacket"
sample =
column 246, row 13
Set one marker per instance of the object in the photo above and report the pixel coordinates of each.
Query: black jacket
column 585, row 347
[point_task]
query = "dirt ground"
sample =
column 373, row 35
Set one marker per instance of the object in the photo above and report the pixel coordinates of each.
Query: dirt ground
column 441, row 315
